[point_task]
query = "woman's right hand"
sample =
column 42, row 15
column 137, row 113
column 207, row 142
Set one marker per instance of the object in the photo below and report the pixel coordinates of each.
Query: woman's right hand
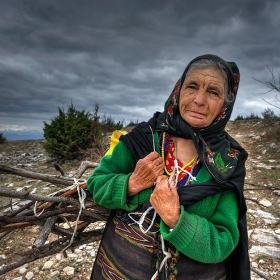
column 145, row 173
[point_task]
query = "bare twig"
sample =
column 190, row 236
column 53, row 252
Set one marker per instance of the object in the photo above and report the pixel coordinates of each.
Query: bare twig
column 56, row 180
column 83, row 167
column 260, row 273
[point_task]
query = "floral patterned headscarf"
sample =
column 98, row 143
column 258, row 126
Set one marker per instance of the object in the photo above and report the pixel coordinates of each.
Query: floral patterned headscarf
column 217, row 150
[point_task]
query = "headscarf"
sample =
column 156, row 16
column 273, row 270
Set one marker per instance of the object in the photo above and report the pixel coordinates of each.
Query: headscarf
column 216, row 150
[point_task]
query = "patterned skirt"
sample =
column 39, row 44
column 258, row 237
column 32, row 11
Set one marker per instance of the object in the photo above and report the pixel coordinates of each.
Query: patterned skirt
column 127, row 253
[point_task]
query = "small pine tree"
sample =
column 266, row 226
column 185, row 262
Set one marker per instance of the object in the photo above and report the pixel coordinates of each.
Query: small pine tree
column 267, row 113
column 67, row 133
column 2, row 138
column 239, row 118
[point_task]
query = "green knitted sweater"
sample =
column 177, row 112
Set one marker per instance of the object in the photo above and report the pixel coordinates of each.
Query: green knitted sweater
column 206, row 231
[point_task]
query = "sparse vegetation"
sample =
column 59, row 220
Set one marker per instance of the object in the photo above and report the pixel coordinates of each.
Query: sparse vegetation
column 267, row 113
column 74, row 131
column 252, row 116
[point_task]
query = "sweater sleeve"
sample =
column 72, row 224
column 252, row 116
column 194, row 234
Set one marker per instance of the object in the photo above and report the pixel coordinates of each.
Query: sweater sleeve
column 203, row 237
column 108, row 182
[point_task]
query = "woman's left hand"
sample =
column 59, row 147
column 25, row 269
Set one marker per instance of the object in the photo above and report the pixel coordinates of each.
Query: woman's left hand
column 165, row 200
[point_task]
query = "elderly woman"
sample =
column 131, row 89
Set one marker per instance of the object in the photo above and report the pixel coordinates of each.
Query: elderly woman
column 175, row 185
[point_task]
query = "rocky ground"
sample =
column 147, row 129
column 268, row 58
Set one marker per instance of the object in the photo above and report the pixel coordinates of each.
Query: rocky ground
column 262, row 190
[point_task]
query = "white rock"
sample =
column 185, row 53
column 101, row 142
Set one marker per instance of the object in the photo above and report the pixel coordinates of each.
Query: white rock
column 254, row 264
column 58, row 257
column 3, row 257
column 265, row 202
column 72, row 256
column 78, row 251
column 54, row 273
column 92, row 254
column 48, row 265
column 273, row 146
column 17, row 278
column 22, row 270
column 34, row 190
column 270, row 251
column 68, row 270
column 29, row 275
column 266, row 236
column 268, row 218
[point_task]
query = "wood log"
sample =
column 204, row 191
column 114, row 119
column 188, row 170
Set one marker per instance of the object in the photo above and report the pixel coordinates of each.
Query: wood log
column 56, row 180
column 44, row 232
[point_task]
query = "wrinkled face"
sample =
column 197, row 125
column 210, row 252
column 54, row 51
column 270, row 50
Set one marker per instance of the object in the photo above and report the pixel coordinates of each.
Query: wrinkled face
column 202, row 97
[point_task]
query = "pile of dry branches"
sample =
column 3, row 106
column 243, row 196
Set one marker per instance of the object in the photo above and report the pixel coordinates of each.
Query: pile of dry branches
column 72, row 204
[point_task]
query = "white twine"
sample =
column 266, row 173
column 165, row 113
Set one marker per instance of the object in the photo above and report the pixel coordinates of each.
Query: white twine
column 76, row 181
column 142, row 219
column 82, row 197
column 164, row 261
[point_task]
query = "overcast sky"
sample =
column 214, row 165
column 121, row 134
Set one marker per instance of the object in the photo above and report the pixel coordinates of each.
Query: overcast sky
column 126, row 55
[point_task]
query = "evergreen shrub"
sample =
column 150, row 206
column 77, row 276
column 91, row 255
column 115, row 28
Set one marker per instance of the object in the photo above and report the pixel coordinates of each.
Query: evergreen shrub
column 68, row 133
column 2, row 138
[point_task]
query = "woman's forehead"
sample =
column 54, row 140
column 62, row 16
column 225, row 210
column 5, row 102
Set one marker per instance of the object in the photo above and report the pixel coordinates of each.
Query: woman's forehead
column 205, row 74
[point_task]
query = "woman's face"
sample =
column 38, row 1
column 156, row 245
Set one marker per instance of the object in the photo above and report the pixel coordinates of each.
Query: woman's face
column 202, row 97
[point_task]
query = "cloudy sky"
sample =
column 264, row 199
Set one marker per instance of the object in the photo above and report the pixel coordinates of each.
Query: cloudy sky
column 126, row 55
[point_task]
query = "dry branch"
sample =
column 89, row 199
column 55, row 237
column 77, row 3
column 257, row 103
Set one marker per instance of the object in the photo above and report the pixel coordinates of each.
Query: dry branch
column 56, row 180
column 63, row 206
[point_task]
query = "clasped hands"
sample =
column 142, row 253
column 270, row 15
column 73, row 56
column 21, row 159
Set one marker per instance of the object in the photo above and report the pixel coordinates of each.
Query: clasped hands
column 164, row 199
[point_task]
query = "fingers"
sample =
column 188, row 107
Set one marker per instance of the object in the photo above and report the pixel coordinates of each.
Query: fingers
column 145, row 173
column 154, row 157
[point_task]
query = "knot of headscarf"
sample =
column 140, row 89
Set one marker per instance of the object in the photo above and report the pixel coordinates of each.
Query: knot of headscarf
column 214, row 146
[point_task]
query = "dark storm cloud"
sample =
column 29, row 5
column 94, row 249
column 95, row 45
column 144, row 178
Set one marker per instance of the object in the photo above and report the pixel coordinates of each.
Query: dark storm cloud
column 125, row 55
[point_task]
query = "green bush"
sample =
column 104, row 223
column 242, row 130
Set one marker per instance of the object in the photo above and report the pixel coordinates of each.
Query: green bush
column 239, row 118
column 2, row 138
column 252, row 116
column 68, row 133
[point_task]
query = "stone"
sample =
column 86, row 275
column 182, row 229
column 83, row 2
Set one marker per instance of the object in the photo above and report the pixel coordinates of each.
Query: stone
column 22, row 270
column 273, row 145
column 265, row 236
column 72, row 256
column 270, row 251
column 267, row 217
column 69, row 270
column 265, row 202
column 48, row 265
column 29, row 275
column 58, row 257
column 55, row 273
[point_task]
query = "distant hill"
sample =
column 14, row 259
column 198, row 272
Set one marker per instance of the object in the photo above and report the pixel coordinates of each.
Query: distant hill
column 11, row 135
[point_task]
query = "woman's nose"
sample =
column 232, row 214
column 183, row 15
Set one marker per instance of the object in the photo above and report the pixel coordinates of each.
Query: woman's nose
column 200, row 97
